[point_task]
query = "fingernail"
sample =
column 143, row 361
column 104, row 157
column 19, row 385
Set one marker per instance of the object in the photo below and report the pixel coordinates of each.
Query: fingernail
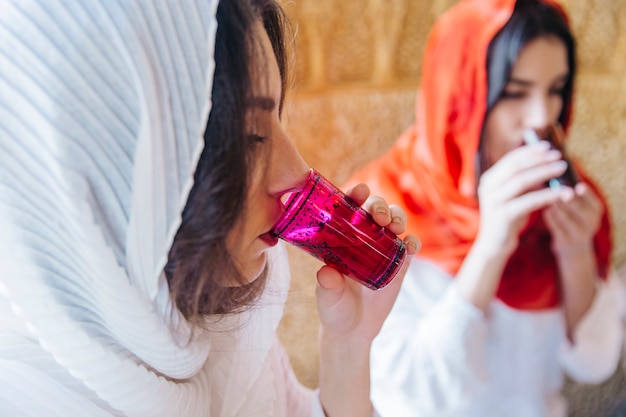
column 382, row 209
column 413, row 245
column 398, row 220
column 567, row 194
column 553, row 153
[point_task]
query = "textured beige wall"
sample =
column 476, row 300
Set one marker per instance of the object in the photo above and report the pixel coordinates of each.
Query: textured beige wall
column 357, row 69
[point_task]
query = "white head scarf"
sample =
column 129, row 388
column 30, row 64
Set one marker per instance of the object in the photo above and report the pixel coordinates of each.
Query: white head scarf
column 103, row 106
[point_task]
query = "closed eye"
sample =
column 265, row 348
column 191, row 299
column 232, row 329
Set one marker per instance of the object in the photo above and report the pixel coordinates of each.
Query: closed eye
column 557, row 91
column 512, row 94
column 257, row 138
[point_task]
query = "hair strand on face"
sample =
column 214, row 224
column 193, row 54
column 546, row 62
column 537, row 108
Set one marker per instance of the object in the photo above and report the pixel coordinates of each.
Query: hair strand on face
column 200, row 270
column 531, row 19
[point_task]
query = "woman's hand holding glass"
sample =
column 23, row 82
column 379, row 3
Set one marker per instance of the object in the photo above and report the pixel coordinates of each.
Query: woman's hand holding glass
column 512, row 189
column 351, row 315
column 348, row 308
column 574, row 221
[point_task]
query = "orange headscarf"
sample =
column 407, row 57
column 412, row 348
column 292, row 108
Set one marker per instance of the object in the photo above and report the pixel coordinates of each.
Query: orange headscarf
column 431, row 170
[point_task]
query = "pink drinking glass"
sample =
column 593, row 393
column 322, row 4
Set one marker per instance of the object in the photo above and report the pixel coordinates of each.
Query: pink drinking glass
column 320, row 219
column 554, row 135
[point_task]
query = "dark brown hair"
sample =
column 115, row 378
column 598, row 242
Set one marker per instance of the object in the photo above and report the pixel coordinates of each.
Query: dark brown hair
column 200, row 270
column 531, row 19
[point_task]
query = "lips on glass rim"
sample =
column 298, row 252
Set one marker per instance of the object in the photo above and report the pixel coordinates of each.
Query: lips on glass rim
column 269, row 239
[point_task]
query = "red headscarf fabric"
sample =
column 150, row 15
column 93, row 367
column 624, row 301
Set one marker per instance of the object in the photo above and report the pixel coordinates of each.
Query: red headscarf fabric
column 431, row 170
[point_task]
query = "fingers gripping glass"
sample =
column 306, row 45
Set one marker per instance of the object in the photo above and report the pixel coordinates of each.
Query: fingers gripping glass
column 554, row 135
column 320, row 219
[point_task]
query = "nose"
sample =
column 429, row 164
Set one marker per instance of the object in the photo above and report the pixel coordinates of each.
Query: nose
column 289, row 170
column 543, row 110
column 537, row 116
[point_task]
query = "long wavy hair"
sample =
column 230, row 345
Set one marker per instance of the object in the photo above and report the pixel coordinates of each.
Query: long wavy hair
column 531, row 19
column 200, row 270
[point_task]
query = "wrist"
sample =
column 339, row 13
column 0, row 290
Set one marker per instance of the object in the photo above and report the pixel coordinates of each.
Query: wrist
column 573, row 253
column 577, row 264
column 479, row 276
column 492, row 251
column 345, row 376
column 349, row 355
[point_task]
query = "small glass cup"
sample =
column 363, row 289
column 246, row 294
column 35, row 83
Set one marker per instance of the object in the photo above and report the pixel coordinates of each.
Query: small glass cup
column 554, row 135
column 320, row 219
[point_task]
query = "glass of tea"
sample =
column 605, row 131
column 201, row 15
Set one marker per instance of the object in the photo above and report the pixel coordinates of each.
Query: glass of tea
column 321, row 220
column 554, row 135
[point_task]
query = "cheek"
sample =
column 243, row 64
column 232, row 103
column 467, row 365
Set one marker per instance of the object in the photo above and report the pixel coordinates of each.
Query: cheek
column 499, row 135
column 556, row 105
column 243, row 240
column 240, row 236
column 234, row 240
column 244, row 247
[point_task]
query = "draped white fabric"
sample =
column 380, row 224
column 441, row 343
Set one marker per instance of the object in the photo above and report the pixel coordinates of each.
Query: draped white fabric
column 103, row 106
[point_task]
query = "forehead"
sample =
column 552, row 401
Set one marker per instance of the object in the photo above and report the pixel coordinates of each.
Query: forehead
column 266, row 75
column 542, row 58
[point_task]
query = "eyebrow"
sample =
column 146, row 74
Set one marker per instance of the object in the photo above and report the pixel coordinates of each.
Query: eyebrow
column 522, row 83
column 526, row 83
column 265, row 103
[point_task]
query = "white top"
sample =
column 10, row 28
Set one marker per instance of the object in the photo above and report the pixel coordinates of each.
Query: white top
column 34, row 384
column 103, row 108
column 438, row 355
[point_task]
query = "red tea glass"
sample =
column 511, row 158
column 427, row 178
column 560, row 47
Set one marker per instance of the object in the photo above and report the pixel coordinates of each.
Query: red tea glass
column 320, row 219
column 555, row 136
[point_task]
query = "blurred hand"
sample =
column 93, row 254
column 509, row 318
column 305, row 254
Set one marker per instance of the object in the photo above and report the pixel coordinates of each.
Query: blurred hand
column 512, row 189
column 573, row 221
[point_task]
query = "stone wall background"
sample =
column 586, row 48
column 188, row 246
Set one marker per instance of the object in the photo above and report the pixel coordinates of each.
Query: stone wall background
column 357, row 66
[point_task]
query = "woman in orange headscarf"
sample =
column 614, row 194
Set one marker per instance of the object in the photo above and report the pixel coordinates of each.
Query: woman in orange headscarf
column 510, row 289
